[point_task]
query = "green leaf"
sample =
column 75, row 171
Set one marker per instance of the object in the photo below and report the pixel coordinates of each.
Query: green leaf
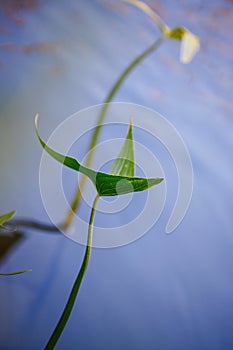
column 106, row 184
column 111, row 185
column 6, row 217
column 124, row 164
column 14, row 273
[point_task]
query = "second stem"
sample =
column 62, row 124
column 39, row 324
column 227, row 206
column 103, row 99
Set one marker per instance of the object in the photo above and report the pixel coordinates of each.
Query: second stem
column 76, row 200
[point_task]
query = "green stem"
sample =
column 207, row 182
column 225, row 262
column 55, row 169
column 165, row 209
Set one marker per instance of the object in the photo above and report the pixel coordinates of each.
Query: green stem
column 74, row 292
column 75, row 203
column 144, row 7
column 14, row 273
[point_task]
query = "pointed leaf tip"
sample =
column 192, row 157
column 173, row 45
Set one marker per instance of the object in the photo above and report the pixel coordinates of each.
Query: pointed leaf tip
column 108, row 184
column 36, row 118
column 6, row 217
column 124, row 164
column 66, row 160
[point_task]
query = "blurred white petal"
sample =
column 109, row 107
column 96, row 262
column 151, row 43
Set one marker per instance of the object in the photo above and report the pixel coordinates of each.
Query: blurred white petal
column 190, row 45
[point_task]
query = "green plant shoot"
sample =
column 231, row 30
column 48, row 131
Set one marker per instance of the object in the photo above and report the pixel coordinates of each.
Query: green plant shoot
column 120, row 181
column 106, row 184
column 189, row 47
column 190, row 44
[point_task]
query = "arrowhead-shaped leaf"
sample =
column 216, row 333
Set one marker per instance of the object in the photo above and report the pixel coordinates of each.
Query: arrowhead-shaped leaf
column 106, row 184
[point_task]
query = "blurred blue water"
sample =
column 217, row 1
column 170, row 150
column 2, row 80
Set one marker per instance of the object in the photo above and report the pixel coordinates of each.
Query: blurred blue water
column 161, row 292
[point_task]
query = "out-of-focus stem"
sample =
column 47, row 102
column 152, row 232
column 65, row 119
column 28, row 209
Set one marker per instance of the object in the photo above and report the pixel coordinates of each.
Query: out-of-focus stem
column 76, row 200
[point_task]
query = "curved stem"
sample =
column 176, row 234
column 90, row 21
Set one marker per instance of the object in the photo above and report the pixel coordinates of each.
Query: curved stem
column 74, row 292
column 14, row 273
column 144, row 7
column 76, row 200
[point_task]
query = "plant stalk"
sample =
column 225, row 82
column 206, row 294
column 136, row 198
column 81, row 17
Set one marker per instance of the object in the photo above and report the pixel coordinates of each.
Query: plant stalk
column 76, row 200
column 74, row 292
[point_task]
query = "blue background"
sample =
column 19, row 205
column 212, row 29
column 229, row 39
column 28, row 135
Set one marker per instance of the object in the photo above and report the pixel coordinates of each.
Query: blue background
column 161, row 292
